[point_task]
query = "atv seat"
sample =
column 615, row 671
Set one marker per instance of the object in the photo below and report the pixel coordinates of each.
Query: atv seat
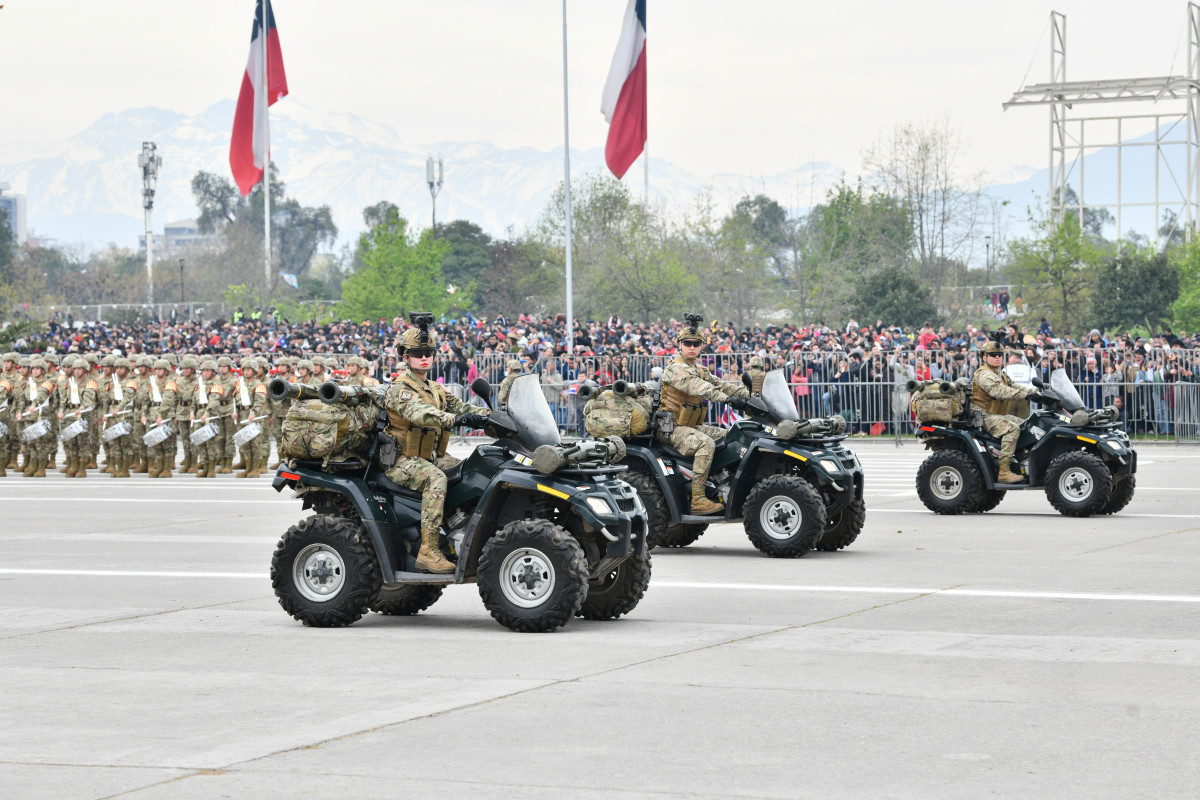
column 379, row 479
column 666, row 449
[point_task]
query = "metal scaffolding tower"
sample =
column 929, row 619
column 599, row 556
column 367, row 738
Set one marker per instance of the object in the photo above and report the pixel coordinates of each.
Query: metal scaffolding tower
column 1069, row 142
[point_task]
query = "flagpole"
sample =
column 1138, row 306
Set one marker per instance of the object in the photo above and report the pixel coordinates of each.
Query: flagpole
column 567, row 184
column 646, row 166
column 266, row 116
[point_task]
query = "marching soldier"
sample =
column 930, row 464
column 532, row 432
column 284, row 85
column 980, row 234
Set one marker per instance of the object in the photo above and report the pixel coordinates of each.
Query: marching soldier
column 228, row 428
column 319, row 375
column 420, row 416
column 304, row 372
column 160, row 409
column 13, row 441
column 992, row 392
column 250, row 398
column 280, row 408
column 514, row 372
column 54, row 374
column 185, row 386
column 261, row 444
column 6, row 414
column 34, row 407
column 358, row 372
column 92, row 364
column 138, row 422
column 685, row 387
column 210, row 394
column 122, row 394
column 103, row 391
column 77, row 401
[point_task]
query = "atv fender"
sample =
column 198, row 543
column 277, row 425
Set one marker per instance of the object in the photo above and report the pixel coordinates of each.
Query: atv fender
column 760, row 450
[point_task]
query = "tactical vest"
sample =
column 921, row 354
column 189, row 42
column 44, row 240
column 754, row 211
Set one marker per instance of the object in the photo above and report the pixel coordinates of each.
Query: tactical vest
column 757, row 376
column 687, row 409
column 413, row 440
column 983, row 401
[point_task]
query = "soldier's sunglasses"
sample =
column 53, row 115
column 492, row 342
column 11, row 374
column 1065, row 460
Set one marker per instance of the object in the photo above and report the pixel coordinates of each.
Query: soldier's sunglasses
column 419, row 352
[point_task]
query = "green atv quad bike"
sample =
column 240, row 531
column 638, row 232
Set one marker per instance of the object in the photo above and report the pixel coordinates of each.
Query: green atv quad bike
column 547, row 531
column 790, row 481
column 1081, row 458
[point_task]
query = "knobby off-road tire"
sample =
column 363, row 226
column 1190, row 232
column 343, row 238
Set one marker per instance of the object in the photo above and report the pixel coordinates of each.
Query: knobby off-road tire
column 533, row 576
column 324, row 573
column 987, row 501
column 949, row 482
column 1078, row 484
column 1122, row 493
column 681, row 535
column 658, row 518
column 404, row 601
column 620, row 590
column 784, row 516
column 843, row 528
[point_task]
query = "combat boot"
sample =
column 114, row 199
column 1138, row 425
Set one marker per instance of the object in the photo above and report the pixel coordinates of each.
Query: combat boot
column 155, row 467
column 72, row 466
column 91, row 462
column 211, row 470
column 701, row 505
column 1006, row 475
column 40, row 472
column 166, row 466
column 28, row 470
column 202, row 471
column 225, row 468
column 143, row 465
column 121, row 468
column 3, row 467
column 189, row 464
column 430, row 558
column 81, row 469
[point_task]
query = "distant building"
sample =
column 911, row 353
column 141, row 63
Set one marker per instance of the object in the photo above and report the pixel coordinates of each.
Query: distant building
column 177, row 236
column 14, row 206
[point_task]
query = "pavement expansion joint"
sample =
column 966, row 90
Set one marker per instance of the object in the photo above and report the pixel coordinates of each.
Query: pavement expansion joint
column 147, row 615
column 1139, row 540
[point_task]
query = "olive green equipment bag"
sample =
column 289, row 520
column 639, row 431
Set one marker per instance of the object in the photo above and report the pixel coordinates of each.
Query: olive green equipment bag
column 328, row 431
column 939, row 402
column 612, row 414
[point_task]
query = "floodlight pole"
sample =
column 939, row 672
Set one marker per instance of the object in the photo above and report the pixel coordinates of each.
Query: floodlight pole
column 567, row 188
column 150, row 163
column 434, row 179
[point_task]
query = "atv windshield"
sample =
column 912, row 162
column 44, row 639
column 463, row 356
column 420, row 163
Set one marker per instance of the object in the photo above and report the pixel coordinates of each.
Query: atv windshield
column 1066, row 391
column 777, row 397
column 529, row 410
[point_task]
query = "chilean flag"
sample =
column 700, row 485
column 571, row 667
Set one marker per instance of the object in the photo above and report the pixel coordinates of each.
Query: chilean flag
column 624, row 101
column 249, row 148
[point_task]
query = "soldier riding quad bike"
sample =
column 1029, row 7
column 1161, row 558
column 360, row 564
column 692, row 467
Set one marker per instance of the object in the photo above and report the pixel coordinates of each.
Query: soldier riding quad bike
column 1081, row 458
column 548, row 531
column 792, row 483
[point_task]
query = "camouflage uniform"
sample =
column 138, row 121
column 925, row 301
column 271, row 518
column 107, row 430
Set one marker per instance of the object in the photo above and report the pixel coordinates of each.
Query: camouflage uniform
column 12, row 443
column 6, row 416
column 185, row 410
column 358, row 373
column 160, row 408
column 78, row 394
column 993, row 393
column 514, row 372
column 103, row 387
column 93, row 435
column 55, row 375
column 144, row 365
column 685, row 387
column 34, row 407
column 210, row 400
column 250, row 398
column 122, row 394
column 420, row 416
column 228, row 424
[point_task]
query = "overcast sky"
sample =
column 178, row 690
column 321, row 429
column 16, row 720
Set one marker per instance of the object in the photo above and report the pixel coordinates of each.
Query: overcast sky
column 756, row 87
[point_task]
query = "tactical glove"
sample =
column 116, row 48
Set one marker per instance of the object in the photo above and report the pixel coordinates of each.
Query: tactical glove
column 1038, row 397
column 471, row 420
column 737, row 403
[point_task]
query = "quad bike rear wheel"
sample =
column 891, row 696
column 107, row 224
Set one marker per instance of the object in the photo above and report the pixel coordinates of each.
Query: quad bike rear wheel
column 948, row 482
column 323, row 572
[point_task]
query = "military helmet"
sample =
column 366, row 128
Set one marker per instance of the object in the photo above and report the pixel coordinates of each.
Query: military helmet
column 51, row 358
column 992, row 347
column 249, row 364
column 305, row 364
column 189, row 362
column 693, row 328
column 756, row 361
column 13, row 357
column 224, row 361
column 36, row 362
column 24, row 361
column 107, row 361
column 355, row 361
column 513, row 365
column 145, row 361
column 92, row 359
column 121, row 362
column 209, row 363
column 162, row 363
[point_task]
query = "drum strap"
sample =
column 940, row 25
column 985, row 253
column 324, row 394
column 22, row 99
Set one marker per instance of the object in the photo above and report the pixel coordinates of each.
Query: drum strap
column 74, row 391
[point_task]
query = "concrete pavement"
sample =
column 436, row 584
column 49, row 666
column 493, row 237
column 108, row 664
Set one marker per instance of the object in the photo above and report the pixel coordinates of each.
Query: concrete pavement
column 1014, row 654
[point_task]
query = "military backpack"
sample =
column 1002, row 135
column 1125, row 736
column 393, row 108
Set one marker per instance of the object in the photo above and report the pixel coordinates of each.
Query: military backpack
column 939, row 402
column 328, row 431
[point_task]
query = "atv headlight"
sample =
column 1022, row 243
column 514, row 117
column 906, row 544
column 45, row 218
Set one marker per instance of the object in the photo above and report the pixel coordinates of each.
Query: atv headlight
column 1114, row 444
column 600, row 505
column 830, row 465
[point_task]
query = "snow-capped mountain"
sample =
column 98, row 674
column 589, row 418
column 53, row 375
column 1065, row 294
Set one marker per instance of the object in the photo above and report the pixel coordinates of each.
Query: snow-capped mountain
column 87, row 189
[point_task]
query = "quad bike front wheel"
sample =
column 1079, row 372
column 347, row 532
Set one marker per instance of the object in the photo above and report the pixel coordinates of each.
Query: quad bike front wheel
column 323, row 573
column 785, row 517
column 533, row 576
column 948, row 482
column 1078, row 484
column 843, row 527
column 406, row 600
column 1122, row 493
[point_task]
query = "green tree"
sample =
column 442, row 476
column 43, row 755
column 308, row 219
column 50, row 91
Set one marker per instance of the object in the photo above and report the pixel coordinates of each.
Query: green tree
column 468, row 253
column 8, row 246
column 893, row 293
column 1136, row 287
column 1057, row 267
column 1187, row 307
column 401, row 273
column 521, row 279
